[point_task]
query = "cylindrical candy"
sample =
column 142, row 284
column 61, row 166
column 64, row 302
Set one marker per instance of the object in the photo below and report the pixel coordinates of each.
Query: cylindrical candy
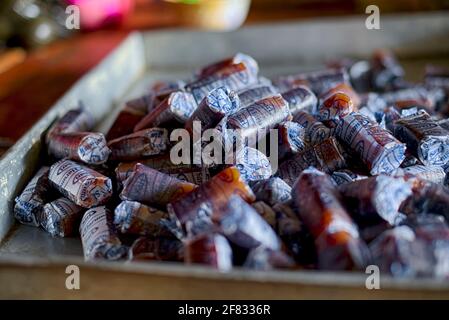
column 159, row 249
column 210, row 249
column 255, row 93
column 252, row 164
column 266, row 212
column 150, row 186
column 99, row 237
column 300, row 98
column 435, row 174
column 147, row 142
column 335, row 106
column 61, row 217
column 84, row 186
column 77, row 120
column 315, row 131
column 87, row 147
column 385, row 70
column 345, row 175
column 124, row 123
column 336, row 236
column 292, row 139
column 218, row 66
column 273, row 190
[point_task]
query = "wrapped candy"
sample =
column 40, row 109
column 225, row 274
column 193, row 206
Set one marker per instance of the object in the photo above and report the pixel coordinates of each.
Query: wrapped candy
column 84, row 186
column 179, row 106
column 424, row 137
column 326, row 156
column 147, row 142
column 272, row 190
column 30, row 202
column 376, row 147
column 211, row 249
column 255, row 93
column 61, row 217
column 99, row 237
column 219, row 66
column 133, row 217
column 315, row 131
column 150, row 186
column 252, row 164
column 124, row 123
column 88, row 147
column 215, row 106
column 142, row 104
column 336, row 236
column 266, row 212
column 346, row 89
column 235, row 77
column 416, row 96
column 194, row 210
column 374, row 199
column 159, row 249
column 385, row 70
column 335, row 106
column 300, row 98
column 434, row 174
column 77, row 120
column 262, row 258
column 345, row 175
column 292, row 138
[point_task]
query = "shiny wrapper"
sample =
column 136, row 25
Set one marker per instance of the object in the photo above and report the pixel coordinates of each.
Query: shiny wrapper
column 315, row 131
column 144, row 143
column 217, row 104
column 262, row 258
column 337, row 240
column 255, row 93
column 376, row 147
column 87, row 147
column 124, row 123
column 194, row 210
column 219, row 66
column 434, row 174
column 325, row 156
column 292, row 139
column 335, row 106
column 61, row 217
column 209, row 249
column 424, row 137
column 374, row 199
column 272, row 190
column 31, row 201
column 136, row 218
column 344, row 176
column 77, row 120
column 159, row 249
column 99, row 237
column 179, row 106
column 150, row 186
column 346, row 89
column 253, row 164
column 84, row 186
column 235, row 77
column 300, row 98
column 266, row 212
column 417, row 95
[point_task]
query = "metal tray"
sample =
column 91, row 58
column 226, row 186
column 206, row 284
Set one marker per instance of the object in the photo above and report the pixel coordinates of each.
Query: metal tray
column 32, row 264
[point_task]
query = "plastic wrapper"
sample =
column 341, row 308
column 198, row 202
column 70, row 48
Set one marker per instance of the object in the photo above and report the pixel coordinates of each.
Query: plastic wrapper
column 346, row 89
column 77, row 120
column 132, row 217
column 30, row 202
column 215, row 106
column 385, row 70
column 88, row 147
column 272, row 190
column 374, row 199
column 335, row 106
column 61, row 217
column 84, row 186
column 424, row 138
column 315, row 131
column 178, row 106
column 262, row 258
column 292, row 139
column 210, row 249
column 152, row 187
column 124, row 123
column 159, row 249
column 144, row 143
column 235, row 77
column 252, row 164
column 325, row 156
column 219, row 66
column 434, row 174
column 344, row 176
column 255, row 93
column 337, row 239
column 300, row 98
column 194, row 210
column 99, row 237
column 422, row 96
column 377, row 148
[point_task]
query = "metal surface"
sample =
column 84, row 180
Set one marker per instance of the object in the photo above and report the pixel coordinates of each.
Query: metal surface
column 29, row 254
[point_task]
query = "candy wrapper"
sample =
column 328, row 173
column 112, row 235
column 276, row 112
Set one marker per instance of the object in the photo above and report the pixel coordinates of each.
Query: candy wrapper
column 218, row 67
column 31, row 201
column 262, row 258
column 344, row 176
column 326, row 156
column 148, row 142
column 194, row 210
column 376, row 147
column 142, row 104
column 99, row 237
column 424, row 137
column 209, row 249
column 315, row 131
column 124, row 123
column 292, row 139
column 88, row 147
column 61, row 217
column 255, row 93
column 374, row 199
column 159, row 249
column 385, row 70
column 178, row 106
column 337, row 240
column 434, row 174
column 252, row 164
column 135, row 218
column 272, row 190
column 300, row 98
column 77, row 120
column 347, row 90
column 335, row 106
column 84, row 186
column 150, row 186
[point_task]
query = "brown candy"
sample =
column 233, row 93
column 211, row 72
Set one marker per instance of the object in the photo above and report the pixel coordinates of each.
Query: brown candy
column 300, row 98
column 315, row 131
column 209, row 249
column 218, row 67
column 61, row 217
column 73, row 121
column 255, row 93
column 334, row 106
column 159, row 249
column 292, row 139
column 124, row 123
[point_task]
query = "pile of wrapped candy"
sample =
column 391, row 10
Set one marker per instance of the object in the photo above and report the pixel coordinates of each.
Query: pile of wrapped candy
column 363, row 156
